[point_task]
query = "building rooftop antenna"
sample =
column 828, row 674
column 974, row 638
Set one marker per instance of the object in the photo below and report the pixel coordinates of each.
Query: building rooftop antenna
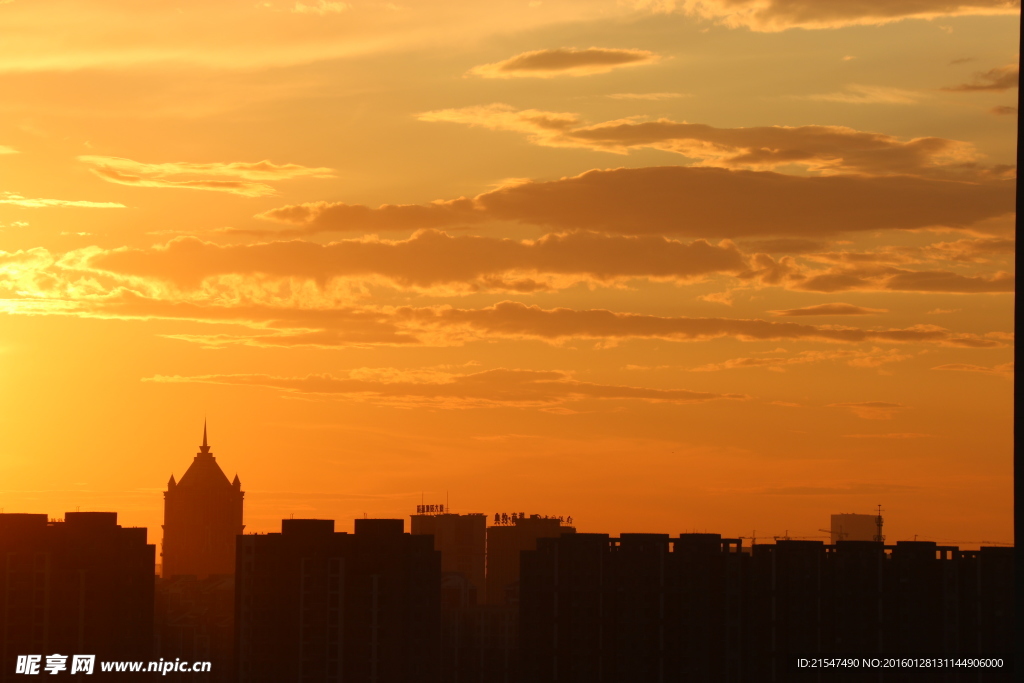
column 879, row 537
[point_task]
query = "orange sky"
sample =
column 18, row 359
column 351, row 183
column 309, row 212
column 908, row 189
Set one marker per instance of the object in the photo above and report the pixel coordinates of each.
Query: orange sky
column 661, row 265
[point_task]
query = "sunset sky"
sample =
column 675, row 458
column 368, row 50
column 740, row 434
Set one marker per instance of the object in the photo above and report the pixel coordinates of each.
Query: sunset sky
column 661, row 265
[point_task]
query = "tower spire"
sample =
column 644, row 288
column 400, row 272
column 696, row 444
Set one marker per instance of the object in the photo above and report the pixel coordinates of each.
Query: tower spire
column 205, row 448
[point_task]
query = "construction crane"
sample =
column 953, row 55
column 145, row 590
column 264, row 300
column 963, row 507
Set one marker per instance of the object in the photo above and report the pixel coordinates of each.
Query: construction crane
column 752, row 537
column 841, row 536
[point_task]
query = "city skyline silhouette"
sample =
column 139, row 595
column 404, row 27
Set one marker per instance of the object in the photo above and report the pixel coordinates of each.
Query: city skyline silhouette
column 638, row 272
column 524, row 598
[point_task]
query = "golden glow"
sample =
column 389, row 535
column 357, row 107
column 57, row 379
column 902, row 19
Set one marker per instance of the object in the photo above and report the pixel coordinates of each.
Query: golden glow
column 660, row 265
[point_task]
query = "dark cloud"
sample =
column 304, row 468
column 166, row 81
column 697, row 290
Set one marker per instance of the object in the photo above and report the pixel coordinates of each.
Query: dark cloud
column 829, row 309
column 292, row 322
column 994, row 80
column 1003, row 110
column 564, row 62
column 826, row 149
column 972, row 250
column 899, row 280
column 431, row 258
column 696, row 202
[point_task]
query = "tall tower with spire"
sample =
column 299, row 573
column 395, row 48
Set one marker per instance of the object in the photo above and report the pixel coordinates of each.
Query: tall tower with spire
column 202, row 517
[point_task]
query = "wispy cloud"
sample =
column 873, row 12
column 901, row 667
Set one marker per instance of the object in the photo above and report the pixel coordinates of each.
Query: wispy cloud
column 488, row 389
column 780, row 15
column 1004, row 370
column 35, row 203
column 234, row 177
column 564, row 62
column 871, row 358
column 829, row 309
column 651, row 96
column 823, row 149
column 320, row 7
column 871, row 410
column 998, row 79
column 869, row 94
column 897, row 435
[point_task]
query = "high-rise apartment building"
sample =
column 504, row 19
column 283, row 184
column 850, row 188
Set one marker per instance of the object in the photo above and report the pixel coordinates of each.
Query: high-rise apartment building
column 506, row 540
column 853, row 527
column 462, row 540
column 78, row 586
column 317, row 606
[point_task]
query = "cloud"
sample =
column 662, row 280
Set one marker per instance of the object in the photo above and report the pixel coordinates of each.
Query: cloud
column 780, row 15
column 869, row 94
column 972, row 250
column 899, row 435
column 872, row 358
column 901, row 280
column 235, row 177
column 259, row 170
column 320, row 7
column 241, row 187
column 1004, row 370
column 998, row 79
column 517, row 320
column 488, row 389
column 824, row 149
column 431, row 258
column 287, row 314
column 696, row 202
column 651, row 96
column 871, row 410
column 1003, row 110
column 871, row 272
column 564, row 62
column 35, row 203
column 782, row 246
column 830, row 309
column 4, row 149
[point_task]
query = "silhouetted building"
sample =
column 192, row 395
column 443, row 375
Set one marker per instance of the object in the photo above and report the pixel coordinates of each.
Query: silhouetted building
column 647, row 607
column 852, row 527
column 195, row 622
column 82, row 585
column 643, row 607
column 479, row 643
column 505, row 541
column 462, row 540
column 987, row 582
column 202, row 517
column 313, row 605
column 866, row 598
